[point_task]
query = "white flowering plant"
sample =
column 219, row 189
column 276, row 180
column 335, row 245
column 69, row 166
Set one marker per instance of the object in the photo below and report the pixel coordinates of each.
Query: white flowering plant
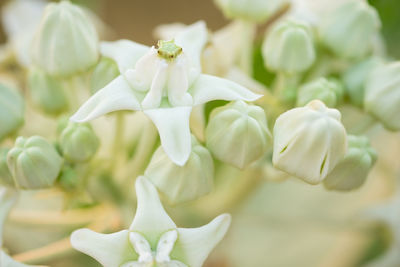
column 284, row 122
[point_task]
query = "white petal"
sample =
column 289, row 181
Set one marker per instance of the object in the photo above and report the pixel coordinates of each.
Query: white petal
column 192, row 40
column 173, row 127
column 109, row 250
column 207, row 88
column 171, row 264
column 178, row 85
column 165, row 245
column 136, row 264
column 141, row 246
column 7, row 261
column 117, row 95
column 124, row 52
column 154, row 96
column 196, row 243
column 7, row 200
column 151, row 219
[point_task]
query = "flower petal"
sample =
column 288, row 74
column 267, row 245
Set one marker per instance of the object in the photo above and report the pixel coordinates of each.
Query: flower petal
column 192, row 40
column 195, row 244
column 207, row 88
column 151, row 219
column 117, row 95
column 173, row 127
column 7, row 261
column 7, row 200
column 110, row 250
column 124, row 52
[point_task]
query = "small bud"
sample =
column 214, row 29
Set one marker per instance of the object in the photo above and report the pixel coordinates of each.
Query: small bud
column 182, row 183
column 66, row 42
column 47, row 92
column 352, row 171
column 289, row 47
column 238, row 133
column 252, row 10
column 11, row 111
column 5, row 175
column 78, row 142
column 309, row 141
column 34, row 163
column 354, row 79
column 328, row 91
column 382, row 95
column 104, row 72
column 350, row 29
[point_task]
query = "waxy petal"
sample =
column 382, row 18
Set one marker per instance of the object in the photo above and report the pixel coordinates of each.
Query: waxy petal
column 7, row 200
column 196, row 243
column 7, row 261
column 207, row 88
column 117, row 95
column 110, row 250
column 124, row 52
column 192, row 40
column 173, row 127
column 151, row 219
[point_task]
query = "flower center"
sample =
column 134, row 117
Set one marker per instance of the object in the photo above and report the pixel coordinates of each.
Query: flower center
column 168, row 49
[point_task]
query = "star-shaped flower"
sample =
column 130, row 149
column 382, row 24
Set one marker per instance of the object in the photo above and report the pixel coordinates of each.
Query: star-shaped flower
column 165, row 83
column 153, row 238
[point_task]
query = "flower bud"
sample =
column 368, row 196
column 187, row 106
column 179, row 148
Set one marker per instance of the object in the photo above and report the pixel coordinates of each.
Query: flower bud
column 66, row 41
column 354, row 79
column 252, row 10
column 78, row 142
column 352, row 171
column 34, row 163
column 350, row 29
column 238, row 133
column 11, row 111
column 309, row 141
column 182, row 183
column 328, row 91
column 382, row 95
column 5, row 175
column 47, row 92
column 289, row 47
column 104, row 72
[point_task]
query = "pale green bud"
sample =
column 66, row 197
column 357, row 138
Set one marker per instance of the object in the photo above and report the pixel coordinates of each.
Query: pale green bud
column 355, row 78
column 238, row 133
column 289, row 47
column 309, row 141
column 5, row 175
column 78, row 142
column 251, row 10
column 34, row 163
column 182, row 183
column 66, row 42
column 104, row 72
column 349, row 30
column 327, row 90
column 382, row 95
column 352, row 171
column 11, row 111
column 47, row 92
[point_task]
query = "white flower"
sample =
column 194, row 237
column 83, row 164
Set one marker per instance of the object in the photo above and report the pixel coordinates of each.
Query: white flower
column 165, row 83
column 153, row 238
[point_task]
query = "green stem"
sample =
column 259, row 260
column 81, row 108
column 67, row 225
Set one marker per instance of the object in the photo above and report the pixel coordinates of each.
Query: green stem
column 245, row 59
column 117, row 147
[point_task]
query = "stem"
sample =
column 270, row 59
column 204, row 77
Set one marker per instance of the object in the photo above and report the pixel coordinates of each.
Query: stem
column 286, row 87
column 118, row 139
column 245, row 59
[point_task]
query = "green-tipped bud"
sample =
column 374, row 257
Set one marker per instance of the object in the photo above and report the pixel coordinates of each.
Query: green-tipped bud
column 182, row 183
column 309, row 141
column 47, row 92
column 352, row 171
column 11, row 111
column 78, row 142
column 355, row 78
column 238, row 133
column 349, row 30
column 251, row 10
column 382, row 95
column 5, row 175
column 328, row 91
column 289, row 47
column 66, row 42
column 34, row 163
column 104, row 72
